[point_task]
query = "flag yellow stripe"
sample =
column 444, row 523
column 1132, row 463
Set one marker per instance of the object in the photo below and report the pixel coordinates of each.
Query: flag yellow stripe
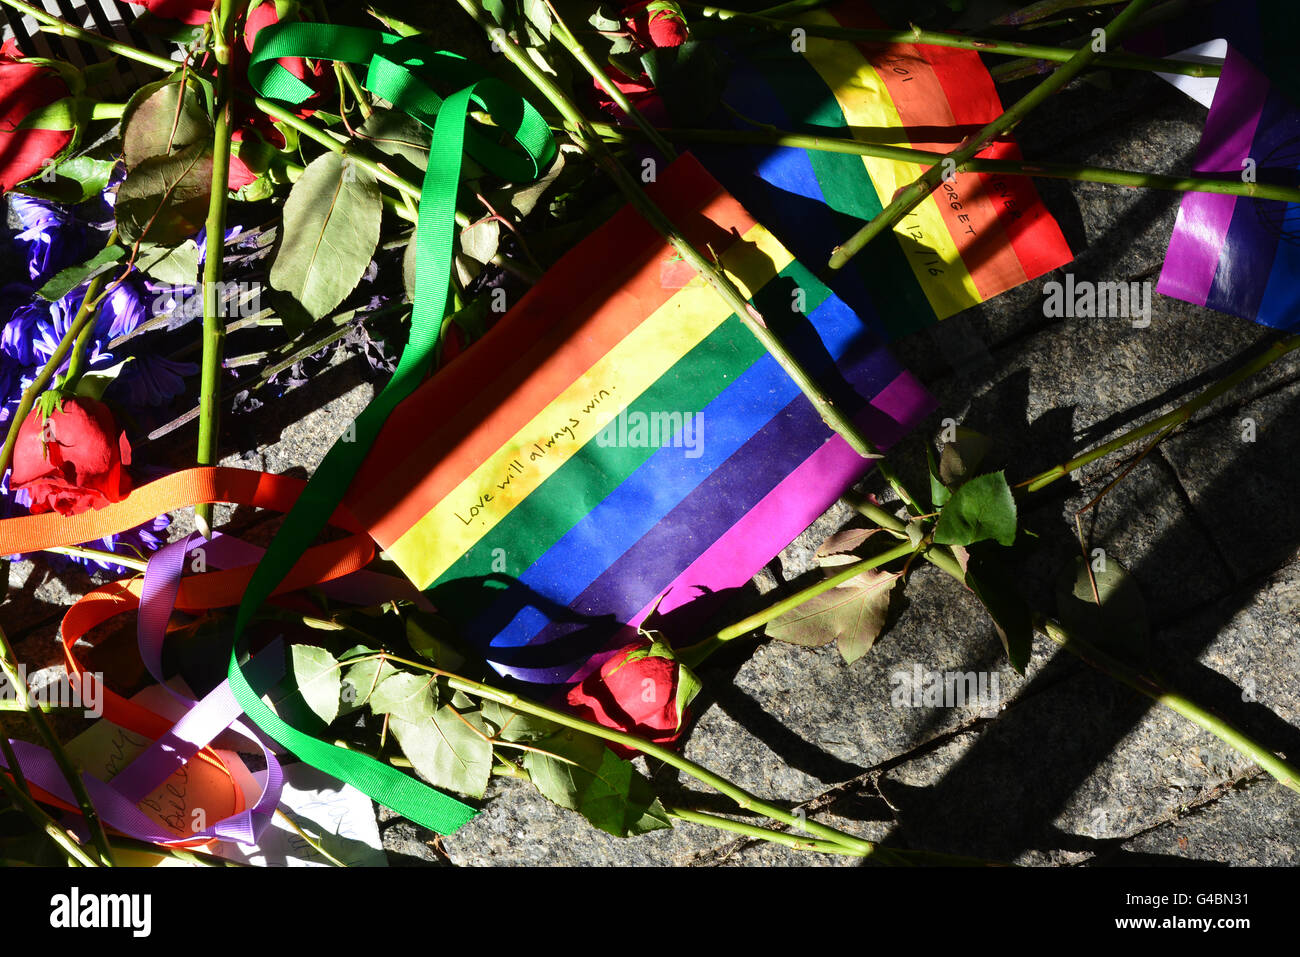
column 867, row 106
column 485, row 497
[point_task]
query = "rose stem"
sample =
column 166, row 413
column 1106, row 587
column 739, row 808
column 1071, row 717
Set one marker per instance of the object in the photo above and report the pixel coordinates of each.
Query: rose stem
column 1196, row 713
column 46, row 824
column 907, row 198
column 405, row 187
column 84, row 318
column 1117, row 61
column 751, row 830
column 1069, row 171
column 743, row 798
column 560, row 30
column 595, row 148
column 1202, row 717
column 77, row 551
column 70, row 773
column 214, row 330
column 52, row 24
column 692, row 655
column 1176, row 417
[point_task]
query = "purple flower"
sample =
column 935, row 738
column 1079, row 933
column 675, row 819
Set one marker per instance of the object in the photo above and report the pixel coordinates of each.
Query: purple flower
column 19, row 333
column 232, row 233
column 51, row 328
column 50, row 236
column 122, row 310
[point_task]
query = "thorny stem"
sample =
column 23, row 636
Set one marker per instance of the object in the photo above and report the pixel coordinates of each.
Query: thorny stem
column 47, row 825
column 1077, row 172
column 1172, row 419
column 694, row 654
column 1116, row 61
column 214, row 330
column 910, row 196
column 743, row 798
column 52, row 744
column 560, row 31
column 591, row 144
column 1285, row 773
column 85, row 317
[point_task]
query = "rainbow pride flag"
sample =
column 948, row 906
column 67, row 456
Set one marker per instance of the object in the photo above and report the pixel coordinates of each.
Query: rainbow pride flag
column 977, row 236
column 620, row 438
column 1239, row 255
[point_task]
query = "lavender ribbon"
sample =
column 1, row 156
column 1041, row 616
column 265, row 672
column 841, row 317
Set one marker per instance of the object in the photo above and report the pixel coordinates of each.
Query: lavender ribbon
column 204, row 720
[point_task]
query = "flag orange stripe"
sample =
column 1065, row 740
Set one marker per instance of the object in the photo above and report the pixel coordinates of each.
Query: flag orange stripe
column 463, row 419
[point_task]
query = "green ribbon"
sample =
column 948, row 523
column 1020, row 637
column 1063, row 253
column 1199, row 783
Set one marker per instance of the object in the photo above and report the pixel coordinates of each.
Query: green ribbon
column 399, row 70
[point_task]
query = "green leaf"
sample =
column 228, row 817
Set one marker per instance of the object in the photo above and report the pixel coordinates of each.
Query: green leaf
column 446, row 751
column 939, row 493
column 405, row 695
column 92, row 385
column 852, row 613
column 1118, row 624
column 164, row 121
column 688, row 686
column 73, row 181
column 604, row 20
column 525, row 198
column 362, row 679
column 845, row 541
column 580, row 773
column 65, row 280
column 330, row 230
column 539, row 16
column 981, row 509
column 408, row 268
column 59, row 115
column 479, row 240
column 165, row 198
column 960, row 458
column 173, row 265
column 994, row 586
column 316, row 673
column 395, row 133
column 514, row 725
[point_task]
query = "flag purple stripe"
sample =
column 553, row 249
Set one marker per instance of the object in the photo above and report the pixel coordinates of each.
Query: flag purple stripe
column 1252, row 240
column 1204, row 218
column 729, row 493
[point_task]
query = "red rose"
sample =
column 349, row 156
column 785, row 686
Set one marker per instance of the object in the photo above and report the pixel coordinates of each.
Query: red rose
column 662, row 26
column 638, row 690
column 24, row 89
column 73, row 460
column 194, row 12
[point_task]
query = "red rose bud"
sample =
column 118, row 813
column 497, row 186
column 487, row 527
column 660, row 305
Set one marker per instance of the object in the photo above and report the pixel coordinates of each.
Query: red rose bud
column 659, row 23
column 642, row 689
column 72, row 461
column 194, row 12
column 26, row 88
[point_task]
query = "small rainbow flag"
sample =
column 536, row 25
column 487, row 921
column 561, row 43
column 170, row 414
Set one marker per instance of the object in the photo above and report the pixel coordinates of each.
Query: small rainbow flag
column 1238, row 255
column 620, row 438
column 975, row 237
